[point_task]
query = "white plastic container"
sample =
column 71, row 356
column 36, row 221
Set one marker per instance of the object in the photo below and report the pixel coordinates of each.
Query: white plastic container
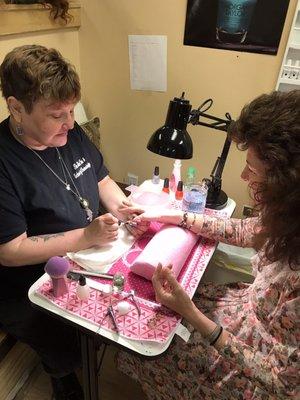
column 83, row 290
column 149, row 200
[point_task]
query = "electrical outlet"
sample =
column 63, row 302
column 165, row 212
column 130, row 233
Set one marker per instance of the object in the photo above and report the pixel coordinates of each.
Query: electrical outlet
column 247, row 211
column 132, row 179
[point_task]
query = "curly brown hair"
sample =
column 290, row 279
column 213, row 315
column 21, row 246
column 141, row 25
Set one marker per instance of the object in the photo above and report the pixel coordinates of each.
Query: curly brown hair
column 270, row 125
column 32, row 72
column 58, row 8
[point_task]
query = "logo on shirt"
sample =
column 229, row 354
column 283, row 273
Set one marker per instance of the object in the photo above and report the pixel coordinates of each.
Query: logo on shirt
column 80, row 167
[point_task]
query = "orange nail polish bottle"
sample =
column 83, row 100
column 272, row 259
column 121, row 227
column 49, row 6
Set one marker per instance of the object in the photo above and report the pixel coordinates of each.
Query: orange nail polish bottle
column 166, row 188
column 179, row 191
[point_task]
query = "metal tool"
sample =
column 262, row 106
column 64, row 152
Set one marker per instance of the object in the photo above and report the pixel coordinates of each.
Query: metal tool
column 110, row 313
column 130, row 223
column 89, row 273
column 131, row 296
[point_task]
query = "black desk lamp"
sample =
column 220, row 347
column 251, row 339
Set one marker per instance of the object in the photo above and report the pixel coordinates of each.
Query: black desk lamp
column 172, row 140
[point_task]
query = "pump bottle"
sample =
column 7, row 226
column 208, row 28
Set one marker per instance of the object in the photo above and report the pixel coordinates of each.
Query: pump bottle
column 191, row 176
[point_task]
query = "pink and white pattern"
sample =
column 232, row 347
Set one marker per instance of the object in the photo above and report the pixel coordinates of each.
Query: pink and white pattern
column 156, row 323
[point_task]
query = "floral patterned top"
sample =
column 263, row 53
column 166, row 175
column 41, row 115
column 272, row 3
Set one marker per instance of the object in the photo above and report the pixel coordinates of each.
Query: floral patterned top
column 261, row 357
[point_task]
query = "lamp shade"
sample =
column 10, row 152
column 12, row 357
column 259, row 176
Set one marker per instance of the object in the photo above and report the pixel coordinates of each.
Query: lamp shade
column 172, row 140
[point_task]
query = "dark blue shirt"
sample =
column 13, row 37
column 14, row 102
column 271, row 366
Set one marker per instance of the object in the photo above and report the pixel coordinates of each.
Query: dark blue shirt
column 33, row 200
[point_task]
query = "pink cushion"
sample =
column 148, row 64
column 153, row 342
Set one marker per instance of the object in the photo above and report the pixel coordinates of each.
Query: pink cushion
column 171, row 245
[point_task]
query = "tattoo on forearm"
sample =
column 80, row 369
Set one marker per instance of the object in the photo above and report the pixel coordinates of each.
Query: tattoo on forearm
column 45, row 237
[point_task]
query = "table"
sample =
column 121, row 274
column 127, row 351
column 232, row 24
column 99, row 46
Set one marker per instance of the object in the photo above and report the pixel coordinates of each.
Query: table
column 89, row 333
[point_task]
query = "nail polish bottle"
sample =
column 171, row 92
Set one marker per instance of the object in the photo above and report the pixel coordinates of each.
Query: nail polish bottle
column 166, row 186
column 179, row 191
column 155, row 177
column 83, row 290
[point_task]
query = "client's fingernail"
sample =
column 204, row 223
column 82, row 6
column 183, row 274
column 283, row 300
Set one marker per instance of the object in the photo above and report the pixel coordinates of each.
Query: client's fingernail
column 131, row 223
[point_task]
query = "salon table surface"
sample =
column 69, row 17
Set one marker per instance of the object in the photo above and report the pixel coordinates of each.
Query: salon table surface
column 89, row 333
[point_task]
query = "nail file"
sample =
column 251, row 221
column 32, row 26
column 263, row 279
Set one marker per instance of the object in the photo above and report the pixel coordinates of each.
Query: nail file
column 102, row 287
column 89, row 273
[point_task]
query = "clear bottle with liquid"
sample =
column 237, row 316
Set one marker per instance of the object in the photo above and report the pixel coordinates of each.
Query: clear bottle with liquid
column 194, row 198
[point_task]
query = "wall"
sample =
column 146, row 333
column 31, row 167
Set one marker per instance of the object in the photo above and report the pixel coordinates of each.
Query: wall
column 129, row 117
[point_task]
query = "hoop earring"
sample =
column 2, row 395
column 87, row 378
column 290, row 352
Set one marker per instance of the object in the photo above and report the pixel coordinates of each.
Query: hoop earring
column 19, row 130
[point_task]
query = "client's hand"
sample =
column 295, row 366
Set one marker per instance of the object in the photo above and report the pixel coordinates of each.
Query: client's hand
column 163, row 215
column 169, row 292
column 129, row 211
column 138, row 229
column 102, row 230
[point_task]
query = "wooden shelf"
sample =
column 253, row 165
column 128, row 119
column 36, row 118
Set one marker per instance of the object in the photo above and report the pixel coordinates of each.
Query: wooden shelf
column 17, row 19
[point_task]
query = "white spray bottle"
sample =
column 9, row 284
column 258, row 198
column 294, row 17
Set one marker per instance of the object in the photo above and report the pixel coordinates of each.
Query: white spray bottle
column 176, row 176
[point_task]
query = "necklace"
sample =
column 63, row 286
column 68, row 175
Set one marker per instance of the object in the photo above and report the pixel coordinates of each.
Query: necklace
column 82, row 201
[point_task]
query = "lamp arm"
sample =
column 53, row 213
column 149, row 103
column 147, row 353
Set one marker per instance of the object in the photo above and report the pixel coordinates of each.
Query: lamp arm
column 218, row 168
column 219, row 123
column 215, row 183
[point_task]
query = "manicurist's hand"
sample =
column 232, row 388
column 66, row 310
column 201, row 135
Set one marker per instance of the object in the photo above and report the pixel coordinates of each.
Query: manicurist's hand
column 169, row 292
column 102, row 230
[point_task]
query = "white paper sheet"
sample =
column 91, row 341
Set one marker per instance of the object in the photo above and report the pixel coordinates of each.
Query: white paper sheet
column 148, row 62
column 100, row 259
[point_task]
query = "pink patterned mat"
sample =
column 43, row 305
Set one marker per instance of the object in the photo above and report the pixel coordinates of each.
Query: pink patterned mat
column 156, row 323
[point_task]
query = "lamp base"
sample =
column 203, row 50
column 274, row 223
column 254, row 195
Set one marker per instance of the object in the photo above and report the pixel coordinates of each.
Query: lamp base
column 216, row 202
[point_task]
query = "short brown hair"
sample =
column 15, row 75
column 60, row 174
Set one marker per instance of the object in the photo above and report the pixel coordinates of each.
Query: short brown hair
column 32, row 72
column 270, row 125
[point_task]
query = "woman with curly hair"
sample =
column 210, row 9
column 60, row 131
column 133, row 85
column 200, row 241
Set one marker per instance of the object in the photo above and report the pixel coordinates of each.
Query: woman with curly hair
column 244, row 341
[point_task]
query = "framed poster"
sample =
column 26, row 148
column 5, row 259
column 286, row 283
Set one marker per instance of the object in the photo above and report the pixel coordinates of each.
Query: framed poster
column 242, row 25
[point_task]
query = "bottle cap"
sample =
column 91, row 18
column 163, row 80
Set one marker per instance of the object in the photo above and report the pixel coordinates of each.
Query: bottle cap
column 180, row 186
column 156, row 171
column 82, row 280
column 166, row 183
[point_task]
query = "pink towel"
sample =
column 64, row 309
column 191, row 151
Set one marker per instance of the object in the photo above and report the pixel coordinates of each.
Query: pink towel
column 171, row 245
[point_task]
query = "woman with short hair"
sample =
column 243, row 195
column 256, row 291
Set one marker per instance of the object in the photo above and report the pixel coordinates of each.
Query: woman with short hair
column 52, row 179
